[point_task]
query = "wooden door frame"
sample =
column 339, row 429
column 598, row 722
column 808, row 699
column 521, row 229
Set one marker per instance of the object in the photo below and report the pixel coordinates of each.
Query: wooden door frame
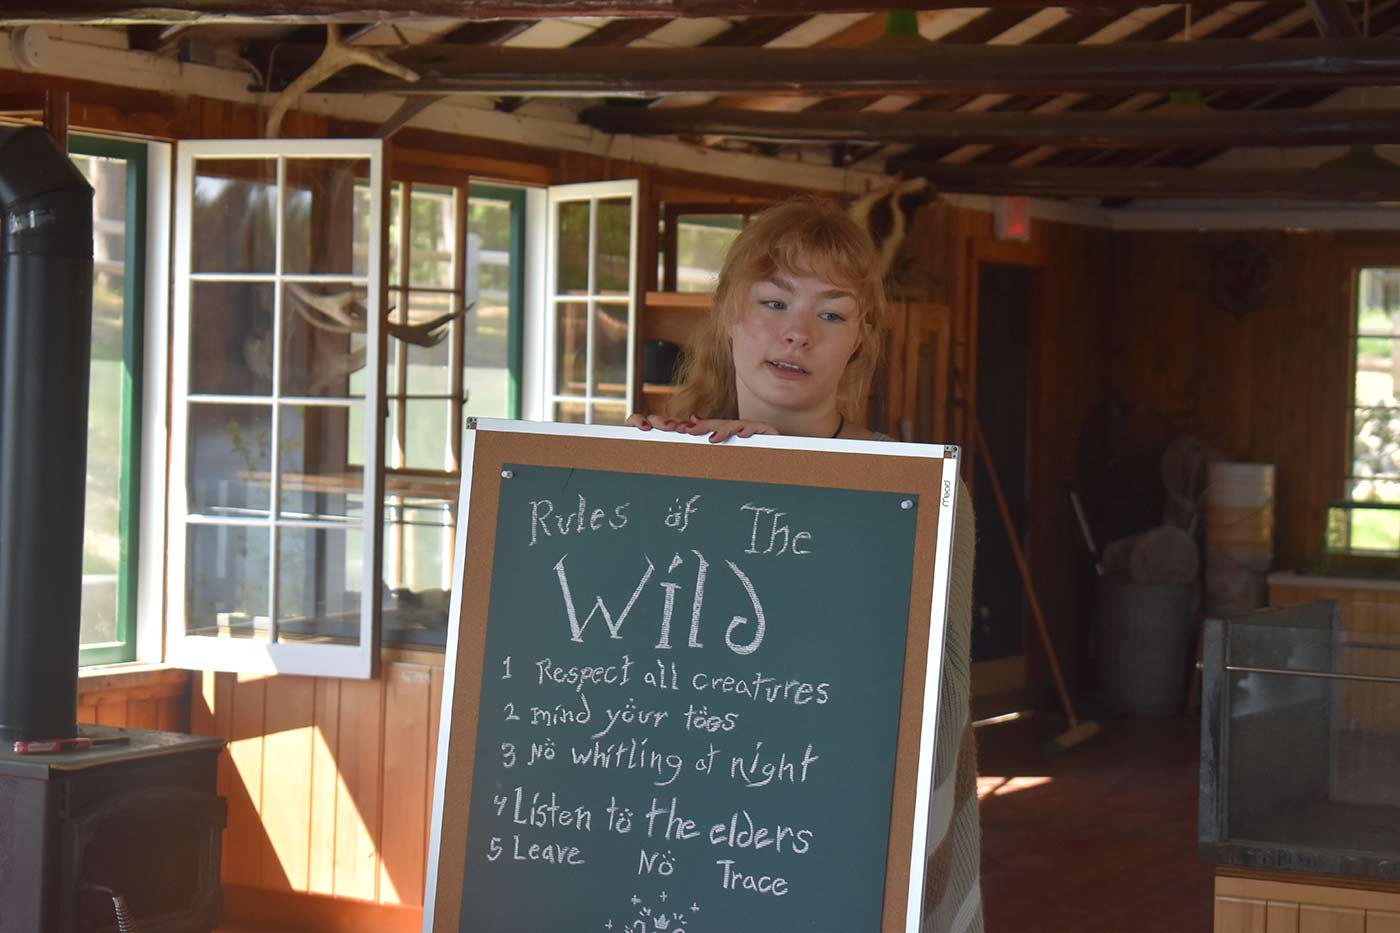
column 1002, row 676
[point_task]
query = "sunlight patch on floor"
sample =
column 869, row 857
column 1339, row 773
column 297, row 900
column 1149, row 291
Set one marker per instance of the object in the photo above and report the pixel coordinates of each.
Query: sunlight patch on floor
column 990, row 786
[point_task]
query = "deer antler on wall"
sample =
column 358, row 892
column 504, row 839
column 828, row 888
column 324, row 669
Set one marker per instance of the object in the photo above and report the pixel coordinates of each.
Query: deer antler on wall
column 335, row 57
column 886, row 214
column 343, row 313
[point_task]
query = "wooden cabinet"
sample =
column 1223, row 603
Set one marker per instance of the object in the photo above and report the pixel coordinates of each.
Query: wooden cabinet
column 1265, row 905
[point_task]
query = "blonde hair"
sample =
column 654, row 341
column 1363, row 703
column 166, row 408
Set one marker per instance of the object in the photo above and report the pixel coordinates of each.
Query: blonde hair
column 802, row 236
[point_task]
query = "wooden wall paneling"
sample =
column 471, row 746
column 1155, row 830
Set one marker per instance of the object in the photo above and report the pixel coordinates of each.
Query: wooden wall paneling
column 288, row 750
column 358, row 761
column 406, row 783
column 325, row 787
column 87, row 713
column 1282, row 917
column 1315, row 918
column 143, row 714
column 244, row 839
column 1382, row 921
column 1237, row 915
column 435, row 682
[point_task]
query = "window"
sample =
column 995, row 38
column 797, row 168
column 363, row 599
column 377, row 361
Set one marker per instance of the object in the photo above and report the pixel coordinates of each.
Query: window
column 274, row 526
column 1371, row 521
column 116, row 169
column 453, row 350
column 591, row 302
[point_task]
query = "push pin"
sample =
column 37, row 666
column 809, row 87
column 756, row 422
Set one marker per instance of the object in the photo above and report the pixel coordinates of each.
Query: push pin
column 506, row 474
column 907, row 504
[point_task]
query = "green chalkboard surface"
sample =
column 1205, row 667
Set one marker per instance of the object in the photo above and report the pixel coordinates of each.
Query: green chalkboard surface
column 690, row 688
column 689, row 705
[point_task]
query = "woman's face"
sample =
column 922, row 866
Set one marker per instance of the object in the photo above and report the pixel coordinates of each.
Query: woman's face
column 792, row 340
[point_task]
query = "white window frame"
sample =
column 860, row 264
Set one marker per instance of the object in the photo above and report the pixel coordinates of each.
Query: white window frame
column 592, row 192
column 200, row 652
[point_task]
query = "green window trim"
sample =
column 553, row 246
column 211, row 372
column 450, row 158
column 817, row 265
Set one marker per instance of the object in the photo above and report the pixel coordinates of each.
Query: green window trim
column 515, row 341
column 133, row 336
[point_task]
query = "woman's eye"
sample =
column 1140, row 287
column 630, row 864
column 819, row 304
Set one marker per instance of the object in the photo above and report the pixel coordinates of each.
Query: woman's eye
column 832, row 316
column 774, row 304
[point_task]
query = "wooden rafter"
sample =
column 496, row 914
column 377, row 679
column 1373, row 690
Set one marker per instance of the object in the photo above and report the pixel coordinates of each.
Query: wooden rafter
column 1333, row 19
column 1176, row 183
column 1321, row 63
column 359, row 11
column 1095, row 130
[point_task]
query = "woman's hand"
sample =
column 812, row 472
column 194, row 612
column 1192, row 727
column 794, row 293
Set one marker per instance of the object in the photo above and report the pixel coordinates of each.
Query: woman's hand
column 721, row 430
column 659, row 422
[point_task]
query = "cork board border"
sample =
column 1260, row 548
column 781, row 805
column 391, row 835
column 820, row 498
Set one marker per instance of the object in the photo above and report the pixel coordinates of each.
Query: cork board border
column 639, row 453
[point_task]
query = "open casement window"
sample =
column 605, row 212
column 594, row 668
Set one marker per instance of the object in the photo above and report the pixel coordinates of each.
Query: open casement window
column 116, row 169
column 275, row 518
column 592, row 306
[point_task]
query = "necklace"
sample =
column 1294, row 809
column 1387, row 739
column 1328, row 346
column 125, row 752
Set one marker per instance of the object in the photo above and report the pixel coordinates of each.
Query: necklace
column 839, row 425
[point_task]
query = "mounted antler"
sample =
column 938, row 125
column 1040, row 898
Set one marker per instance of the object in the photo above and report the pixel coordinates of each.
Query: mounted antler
column 335, row 57
column 343, row 313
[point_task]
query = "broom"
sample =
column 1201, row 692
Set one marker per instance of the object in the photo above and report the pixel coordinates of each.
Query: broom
column 1079, row 730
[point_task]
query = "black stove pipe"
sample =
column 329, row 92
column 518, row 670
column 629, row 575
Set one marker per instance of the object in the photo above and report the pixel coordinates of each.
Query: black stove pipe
column 45, row 352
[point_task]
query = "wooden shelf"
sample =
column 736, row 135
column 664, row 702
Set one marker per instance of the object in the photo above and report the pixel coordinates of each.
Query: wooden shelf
column 654, row 389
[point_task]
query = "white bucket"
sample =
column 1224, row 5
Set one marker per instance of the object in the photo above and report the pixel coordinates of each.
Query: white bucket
column 1240, row 485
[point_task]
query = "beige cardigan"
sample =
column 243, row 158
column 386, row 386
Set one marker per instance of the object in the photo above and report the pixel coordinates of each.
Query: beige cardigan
column 953, row 895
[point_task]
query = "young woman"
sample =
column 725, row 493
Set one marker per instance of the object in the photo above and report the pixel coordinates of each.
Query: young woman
column 790, row 348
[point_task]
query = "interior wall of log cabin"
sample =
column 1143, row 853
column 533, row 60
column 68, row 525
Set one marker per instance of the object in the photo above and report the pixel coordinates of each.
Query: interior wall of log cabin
column 329, row 780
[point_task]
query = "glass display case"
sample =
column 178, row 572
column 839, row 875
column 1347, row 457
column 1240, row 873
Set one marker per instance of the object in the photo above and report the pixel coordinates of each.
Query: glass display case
column 1300, row 740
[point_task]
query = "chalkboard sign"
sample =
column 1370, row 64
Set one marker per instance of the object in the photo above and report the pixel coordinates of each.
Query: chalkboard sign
column 682, row 699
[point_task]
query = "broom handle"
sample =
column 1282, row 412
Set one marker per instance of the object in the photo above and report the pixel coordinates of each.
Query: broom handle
column 1025, row 573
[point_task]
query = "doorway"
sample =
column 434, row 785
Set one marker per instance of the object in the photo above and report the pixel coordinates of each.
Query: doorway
column 1005, row 297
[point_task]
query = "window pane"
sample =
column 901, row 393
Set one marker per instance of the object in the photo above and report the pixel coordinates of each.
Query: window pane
column 231, row 338
column 321, row 233
column 701, row 242
column 1374, row 490
column 417, row 534
column 427, row 434
column 610, row 352
column 614, row 246
column 487, row 376
column 1376, row 365
column 317, row 478
column 230, row 460
column 102, row 516
column 319, row 351
column 570, row 412
column 609, row 413
column 234, row 228
column 432, row 223
column 1376, row 448
column 1378, row 301
column 226, row 580
column 572, row 248
column 571, row 348
column 319, row 580
column 426, row 340
column 395, row 233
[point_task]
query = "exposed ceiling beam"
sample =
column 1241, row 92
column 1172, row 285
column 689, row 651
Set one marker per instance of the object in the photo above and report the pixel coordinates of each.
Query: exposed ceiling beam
column 1174, row 183
column 361, row 11
column 931, row 68
column 1096, row 130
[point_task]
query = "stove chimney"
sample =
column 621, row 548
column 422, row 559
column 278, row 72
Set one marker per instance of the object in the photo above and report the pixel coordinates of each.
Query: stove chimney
column 45, row 350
